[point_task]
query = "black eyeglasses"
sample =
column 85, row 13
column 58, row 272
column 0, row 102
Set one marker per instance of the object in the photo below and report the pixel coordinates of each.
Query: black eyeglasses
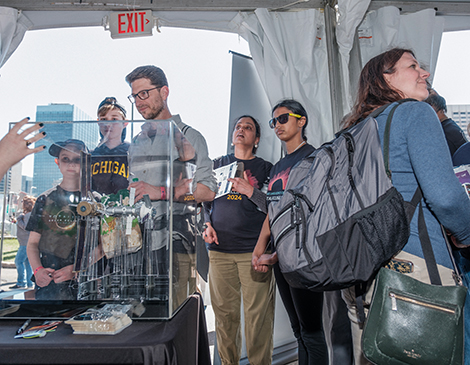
column 142, row 95
column 282, row 119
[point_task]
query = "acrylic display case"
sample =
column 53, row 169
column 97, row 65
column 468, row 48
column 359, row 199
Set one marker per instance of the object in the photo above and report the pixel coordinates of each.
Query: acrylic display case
column 117, row 243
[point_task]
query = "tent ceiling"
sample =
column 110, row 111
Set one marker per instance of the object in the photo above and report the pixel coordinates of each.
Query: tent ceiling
column 447, row 7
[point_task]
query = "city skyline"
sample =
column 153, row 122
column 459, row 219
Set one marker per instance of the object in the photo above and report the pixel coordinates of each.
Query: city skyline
column 46, row 173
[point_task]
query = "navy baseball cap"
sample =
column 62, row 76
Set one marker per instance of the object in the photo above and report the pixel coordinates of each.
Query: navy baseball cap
column 55, row 148
column 111, row 100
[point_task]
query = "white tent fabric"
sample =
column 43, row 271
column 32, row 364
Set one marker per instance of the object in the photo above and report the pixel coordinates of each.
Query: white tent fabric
column 386, row 28
column 13, row 26
column 351, row 13
column 289, row 51
column 288, row 48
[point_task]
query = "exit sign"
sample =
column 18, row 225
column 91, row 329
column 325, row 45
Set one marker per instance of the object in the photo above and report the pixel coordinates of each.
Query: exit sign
column 127, row 24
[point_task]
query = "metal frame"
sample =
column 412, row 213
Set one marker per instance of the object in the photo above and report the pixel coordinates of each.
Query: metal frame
column 446, row 7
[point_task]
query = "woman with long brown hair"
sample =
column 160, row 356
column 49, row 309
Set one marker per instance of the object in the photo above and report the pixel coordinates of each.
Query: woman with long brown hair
column 419, row 156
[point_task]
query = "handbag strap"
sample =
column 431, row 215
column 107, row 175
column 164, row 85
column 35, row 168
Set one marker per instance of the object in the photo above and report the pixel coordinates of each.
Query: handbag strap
column 426, row 246
column 456, row 274
column 428, row 252
column 424, row 239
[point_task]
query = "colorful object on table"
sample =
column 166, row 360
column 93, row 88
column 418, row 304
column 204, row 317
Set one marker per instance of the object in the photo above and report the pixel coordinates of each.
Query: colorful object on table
column 39, row 331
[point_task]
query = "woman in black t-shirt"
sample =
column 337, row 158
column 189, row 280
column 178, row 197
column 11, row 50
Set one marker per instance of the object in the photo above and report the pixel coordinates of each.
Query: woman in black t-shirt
column 303, row 307
column 233, row 224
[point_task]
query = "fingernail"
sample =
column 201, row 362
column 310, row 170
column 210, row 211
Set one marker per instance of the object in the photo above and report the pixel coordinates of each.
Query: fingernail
column 40, row 124
column 28, row 118
column 43, row 147
column 43, row 133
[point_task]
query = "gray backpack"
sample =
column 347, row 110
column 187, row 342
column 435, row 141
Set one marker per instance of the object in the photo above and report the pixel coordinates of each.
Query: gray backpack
column 340, row 218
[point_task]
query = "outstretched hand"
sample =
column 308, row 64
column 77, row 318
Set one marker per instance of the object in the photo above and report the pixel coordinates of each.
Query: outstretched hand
column 14, row 146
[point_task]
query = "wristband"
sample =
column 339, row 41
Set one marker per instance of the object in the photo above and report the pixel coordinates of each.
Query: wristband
column 162, row 193
column 37, row 269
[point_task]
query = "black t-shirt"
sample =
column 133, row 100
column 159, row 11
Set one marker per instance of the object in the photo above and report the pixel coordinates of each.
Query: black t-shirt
column 235, row 218
column 54, row 217
column 280, row 172
column 455, row 137
column 110, row 169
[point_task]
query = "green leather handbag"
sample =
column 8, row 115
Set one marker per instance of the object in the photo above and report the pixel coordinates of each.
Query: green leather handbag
column 411, row 322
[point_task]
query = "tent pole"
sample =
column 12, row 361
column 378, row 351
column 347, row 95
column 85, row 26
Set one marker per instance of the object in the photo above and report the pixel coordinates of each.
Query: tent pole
column 333, row 65
column 355, row 67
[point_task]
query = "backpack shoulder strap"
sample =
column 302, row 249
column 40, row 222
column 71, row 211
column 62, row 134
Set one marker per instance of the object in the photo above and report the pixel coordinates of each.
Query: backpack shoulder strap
column 386, row 149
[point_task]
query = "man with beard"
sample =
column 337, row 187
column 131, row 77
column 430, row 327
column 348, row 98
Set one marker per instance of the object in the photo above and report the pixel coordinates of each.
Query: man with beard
column 149, row 174
column 150, row 94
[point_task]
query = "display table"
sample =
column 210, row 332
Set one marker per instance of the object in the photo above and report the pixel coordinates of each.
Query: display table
column 181, row 340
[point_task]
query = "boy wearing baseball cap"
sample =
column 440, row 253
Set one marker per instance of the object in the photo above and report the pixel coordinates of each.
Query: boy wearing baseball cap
column 53, row 226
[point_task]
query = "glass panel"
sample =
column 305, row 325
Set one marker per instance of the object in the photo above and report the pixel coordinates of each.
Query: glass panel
column 114, row 220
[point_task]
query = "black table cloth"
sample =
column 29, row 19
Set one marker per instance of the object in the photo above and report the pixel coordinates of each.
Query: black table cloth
column 180, row 340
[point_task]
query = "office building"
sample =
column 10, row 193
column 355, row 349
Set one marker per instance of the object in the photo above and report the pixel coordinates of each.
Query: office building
column 58, row 120
column 26, row 184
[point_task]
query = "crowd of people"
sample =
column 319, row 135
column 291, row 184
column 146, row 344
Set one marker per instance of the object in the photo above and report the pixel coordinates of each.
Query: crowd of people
column 424, row 146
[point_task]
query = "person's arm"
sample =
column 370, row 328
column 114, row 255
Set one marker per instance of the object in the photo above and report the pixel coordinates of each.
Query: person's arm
column 143, row 188
column 206, row 183
column 20, row 221
column 43, row 276
column 243, row 186
column 203, row 193
column 210, row 235
column 260, row 260
column 14, row 147
column 432, row 165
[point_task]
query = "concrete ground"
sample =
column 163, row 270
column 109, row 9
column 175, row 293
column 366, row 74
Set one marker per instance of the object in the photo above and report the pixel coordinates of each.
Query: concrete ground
column 8, row 278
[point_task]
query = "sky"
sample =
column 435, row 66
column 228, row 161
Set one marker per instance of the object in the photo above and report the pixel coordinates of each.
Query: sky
column 452, row 77
column 82, row 66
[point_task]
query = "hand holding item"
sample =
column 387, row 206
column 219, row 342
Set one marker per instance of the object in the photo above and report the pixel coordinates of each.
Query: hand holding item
column 242, row 185
column 210, row 235
column 14, row 146
column 143, row 188
column 182, row 187
column 43, row 276
column 63, row 274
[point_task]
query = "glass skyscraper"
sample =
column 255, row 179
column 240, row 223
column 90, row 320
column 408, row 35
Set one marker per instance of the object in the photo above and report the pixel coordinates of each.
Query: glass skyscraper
column 46, row 174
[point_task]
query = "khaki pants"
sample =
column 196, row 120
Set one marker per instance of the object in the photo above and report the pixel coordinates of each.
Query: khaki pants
column 231, row 277
column 184, row 277
column 420, row 273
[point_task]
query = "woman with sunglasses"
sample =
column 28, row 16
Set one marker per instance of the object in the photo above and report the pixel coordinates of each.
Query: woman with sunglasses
column 303, row 307
column 234, row 222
